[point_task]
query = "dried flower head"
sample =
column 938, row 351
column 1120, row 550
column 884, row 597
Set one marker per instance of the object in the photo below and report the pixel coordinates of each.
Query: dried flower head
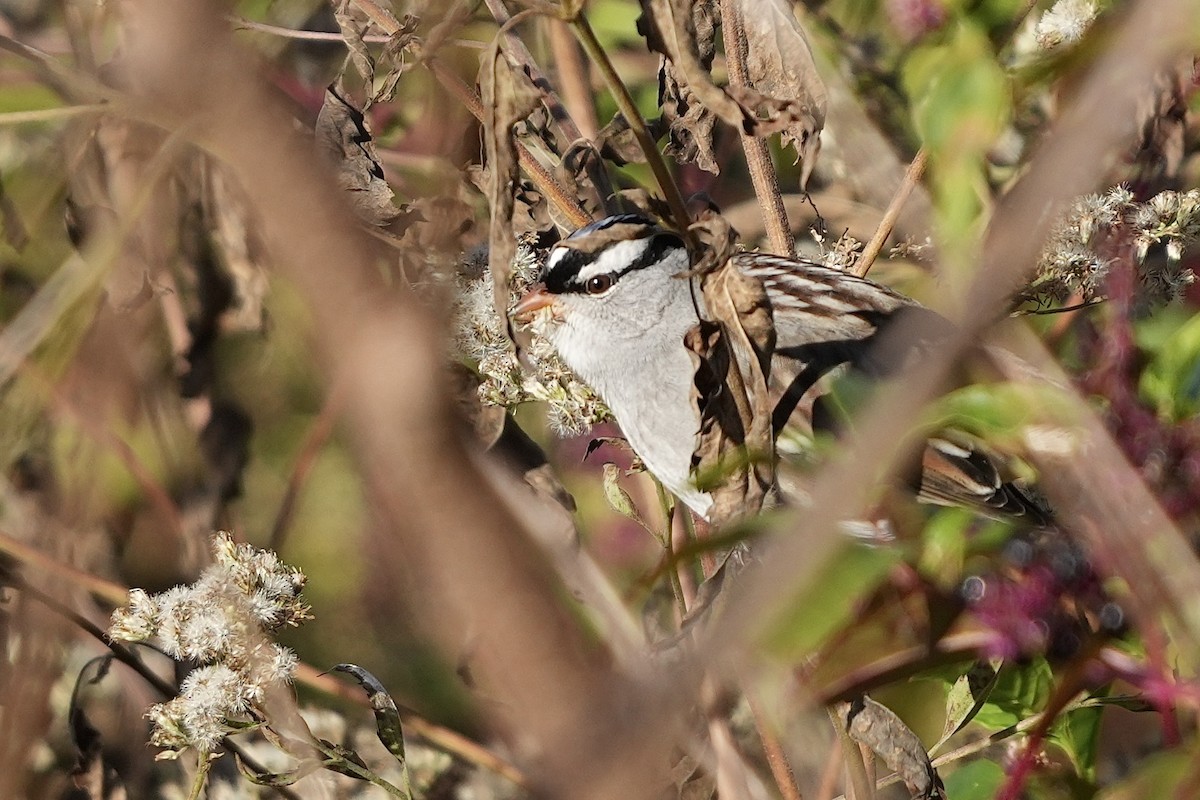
column 1065, row 23
column 479, row 336
column 1073, row 263
column 223, row 621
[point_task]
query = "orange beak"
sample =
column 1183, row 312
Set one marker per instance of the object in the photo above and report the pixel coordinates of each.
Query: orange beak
column 531, row 303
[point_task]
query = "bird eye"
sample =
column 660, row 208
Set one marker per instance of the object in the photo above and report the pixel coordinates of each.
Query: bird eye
column 598, row 284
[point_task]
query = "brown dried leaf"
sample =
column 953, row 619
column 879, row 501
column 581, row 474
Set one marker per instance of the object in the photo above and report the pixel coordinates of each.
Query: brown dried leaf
column 780, row 65
column 691, row 122
column 353, row 22
column 878, row 727
column 791, row 97
column 507, row 99
column 736, row 441
column 617, row 143
column 343, row 136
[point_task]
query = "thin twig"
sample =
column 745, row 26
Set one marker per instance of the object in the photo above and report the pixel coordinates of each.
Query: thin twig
column 104, row 435
column 856, row 771
column 912, row 176
column 328, row 36
column 51, row 114
column 758, row 154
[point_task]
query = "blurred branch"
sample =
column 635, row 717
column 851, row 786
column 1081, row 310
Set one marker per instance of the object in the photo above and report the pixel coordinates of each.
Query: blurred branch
column 50, row 114
column 318, row 435
column 483, row 584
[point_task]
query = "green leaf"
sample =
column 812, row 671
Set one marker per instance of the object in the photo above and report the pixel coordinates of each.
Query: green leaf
column 967, row 698
column 830, row 602
column 1171, row 382
column 977, row 780
column 1019, row 693
column 1077, row 733
column 387, row 717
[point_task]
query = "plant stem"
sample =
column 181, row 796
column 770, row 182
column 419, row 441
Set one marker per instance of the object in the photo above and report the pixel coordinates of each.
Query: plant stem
column 911, row 177
column 758, row 154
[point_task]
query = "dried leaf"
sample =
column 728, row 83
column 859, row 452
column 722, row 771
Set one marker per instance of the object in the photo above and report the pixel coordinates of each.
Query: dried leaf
column 507, row 99
column 617, row 143
column 387, row 716
column 736, row 442
column 878, row 727
column 394, row 57
column 89, row 773
column 343, row 136
column 791, row 97
column 780, row 65
column 967, row 696
column 690, row 135
column 353, row 22
column 618, row 499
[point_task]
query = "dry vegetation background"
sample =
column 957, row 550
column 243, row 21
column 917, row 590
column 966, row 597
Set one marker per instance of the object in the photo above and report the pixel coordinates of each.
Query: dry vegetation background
column 239, row 242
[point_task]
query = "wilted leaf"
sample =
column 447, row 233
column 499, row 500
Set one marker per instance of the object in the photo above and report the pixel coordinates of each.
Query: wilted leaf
column 690, row 121
column 878, row 727
column 736, row 441
column 273, row 779
column 387, row 716
column 670, row 30
column 89, row 772
column 792, row 97
column 353, row 22
column 781, row 67
column 617, row 143
column 507, row 99
column 343, row 136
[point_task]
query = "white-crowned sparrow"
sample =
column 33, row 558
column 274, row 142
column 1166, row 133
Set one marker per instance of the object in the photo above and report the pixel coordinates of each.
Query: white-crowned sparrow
column 613, row 303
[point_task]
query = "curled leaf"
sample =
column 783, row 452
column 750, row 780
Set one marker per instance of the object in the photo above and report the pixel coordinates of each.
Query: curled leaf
column 733, row 353
column 387, row 716
column 780, row 67
column 784, row 94
column 343, row 136
column 507, row 99
column 877, row 726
